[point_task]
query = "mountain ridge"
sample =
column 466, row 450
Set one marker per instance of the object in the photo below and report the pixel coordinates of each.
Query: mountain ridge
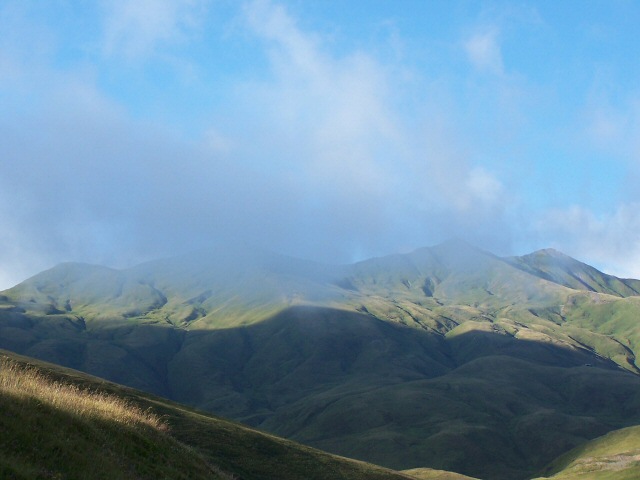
column 451, row 256
column 565, row 270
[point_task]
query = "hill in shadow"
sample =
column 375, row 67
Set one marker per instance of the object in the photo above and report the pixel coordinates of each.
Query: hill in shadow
column 485, row 403
column 42, row 438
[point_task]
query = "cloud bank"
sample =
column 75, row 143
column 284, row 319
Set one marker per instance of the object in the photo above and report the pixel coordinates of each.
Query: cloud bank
column 324, row 153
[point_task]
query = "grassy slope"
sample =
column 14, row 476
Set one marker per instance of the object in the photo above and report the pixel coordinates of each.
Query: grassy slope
column 614, row 456
column 41, row 440
column 53, row 429
column 431, row 474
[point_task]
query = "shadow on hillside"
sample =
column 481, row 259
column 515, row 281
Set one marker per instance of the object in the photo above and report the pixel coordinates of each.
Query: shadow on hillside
column 484, row 404
column 300, row 346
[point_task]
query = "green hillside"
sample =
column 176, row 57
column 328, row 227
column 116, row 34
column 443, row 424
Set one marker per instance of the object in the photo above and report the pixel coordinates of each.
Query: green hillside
column 58, row 423
column 448, row 357
column 614, row 456
column 431, row 474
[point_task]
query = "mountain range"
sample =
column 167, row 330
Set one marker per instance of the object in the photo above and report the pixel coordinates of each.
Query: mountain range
column 448, row 357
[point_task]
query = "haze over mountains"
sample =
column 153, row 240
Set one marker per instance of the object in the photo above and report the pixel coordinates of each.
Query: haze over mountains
column 448, row 357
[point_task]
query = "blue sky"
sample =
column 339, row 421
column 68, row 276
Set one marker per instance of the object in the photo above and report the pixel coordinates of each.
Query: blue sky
column 329, row 130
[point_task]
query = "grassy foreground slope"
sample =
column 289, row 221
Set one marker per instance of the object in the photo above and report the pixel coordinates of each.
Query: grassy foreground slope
column 614, row 456
column 59, row 423
column 51, row 428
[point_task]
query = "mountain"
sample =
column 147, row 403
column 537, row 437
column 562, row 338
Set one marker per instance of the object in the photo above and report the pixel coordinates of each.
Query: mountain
column 448, row 358
column 60, row 423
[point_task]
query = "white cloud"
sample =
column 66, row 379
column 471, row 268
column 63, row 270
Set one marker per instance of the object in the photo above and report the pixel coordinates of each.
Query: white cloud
column 611, row 241
column 217, row 143
column 372, row 173
column 484, row 187
column 606, row 126
column 337, row 107
column 314, row 158
column 18, row 257
column 136, row 28
column 484, row 52
column 293, row 47
column 614, row 127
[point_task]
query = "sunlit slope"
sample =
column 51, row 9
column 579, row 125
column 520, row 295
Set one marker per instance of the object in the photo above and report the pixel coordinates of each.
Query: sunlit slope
column 209, row 290
column 51, row 428
column 428, row 359
column 122, row 433
column 564, row 270
column 431, row 474
column 614, row 456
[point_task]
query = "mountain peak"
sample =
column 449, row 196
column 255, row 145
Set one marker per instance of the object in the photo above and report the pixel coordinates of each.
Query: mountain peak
column 553, row 254
column 562, row 269
column 456, row 244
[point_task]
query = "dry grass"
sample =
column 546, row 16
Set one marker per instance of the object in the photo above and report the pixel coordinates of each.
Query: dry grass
column 26, row 382
column 48, row 431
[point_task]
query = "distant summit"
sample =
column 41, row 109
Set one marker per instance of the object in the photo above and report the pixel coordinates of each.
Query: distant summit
column 557, row 267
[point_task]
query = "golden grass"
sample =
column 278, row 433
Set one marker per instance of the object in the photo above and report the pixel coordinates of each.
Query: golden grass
column 26, row 382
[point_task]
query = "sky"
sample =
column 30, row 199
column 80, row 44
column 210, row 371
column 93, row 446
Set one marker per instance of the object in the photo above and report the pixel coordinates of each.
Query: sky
column 329, row 130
